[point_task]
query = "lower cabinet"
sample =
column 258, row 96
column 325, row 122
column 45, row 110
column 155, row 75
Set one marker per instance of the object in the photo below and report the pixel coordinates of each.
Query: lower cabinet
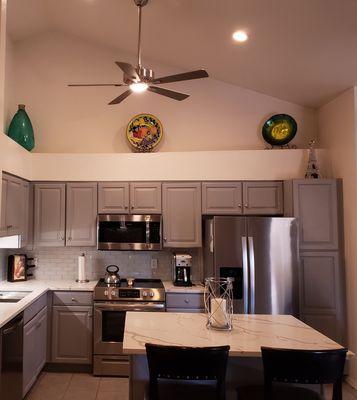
column 35, row 348
column 185, row 302
column 72, row 334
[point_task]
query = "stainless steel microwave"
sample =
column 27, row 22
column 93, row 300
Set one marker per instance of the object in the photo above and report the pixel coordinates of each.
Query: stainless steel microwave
column 129, row 232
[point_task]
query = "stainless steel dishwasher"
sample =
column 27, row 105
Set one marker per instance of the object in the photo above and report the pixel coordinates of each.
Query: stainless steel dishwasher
column 11, row 352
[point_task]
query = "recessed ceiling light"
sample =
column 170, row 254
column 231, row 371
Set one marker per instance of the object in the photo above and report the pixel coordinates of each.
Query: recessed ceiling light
column 139, row 87
column 240, row 36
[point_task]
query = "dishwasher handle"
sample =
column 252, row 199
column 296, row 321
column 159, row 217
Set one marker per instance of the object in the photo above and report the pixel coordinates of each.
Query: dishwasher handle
column 14, row 325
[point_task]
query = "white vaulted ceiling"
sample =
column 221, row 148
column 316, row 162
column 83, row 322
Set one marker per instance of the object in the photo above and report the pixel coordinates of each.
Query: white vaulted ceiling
column 303, row 51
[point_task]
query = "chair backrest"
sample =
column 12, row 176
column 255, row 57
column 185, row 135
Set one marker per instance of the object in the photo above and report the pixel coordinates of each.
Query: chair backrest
column 304, row 367
column 187, row 363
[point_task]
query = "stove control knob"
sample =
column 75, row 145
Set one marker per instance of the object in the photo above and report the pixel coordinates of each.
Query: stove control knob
column 113, row 292
column 152, row 294
column 145, row 294
column 106, row 292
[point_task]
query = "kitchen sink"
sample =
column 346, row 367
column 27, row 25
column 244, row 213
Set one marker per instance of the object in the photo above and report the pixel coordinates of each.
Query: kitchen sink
column 12, row 296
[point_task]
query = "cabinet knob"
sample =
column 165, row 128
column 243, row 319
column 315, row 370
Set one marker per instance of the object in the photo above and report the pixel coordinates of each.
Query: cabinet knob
column 246, row 205
column 165, row 240
column 187, row 301
column 125, row 207
column 69, row 238
column 9, row 227
column 239, row 205
column 73, row 299
column 132, row 207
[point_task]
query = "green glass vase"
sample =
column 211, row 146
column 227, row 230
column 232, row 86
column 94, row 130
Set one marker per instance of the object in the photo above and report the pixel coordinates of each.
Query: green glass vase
column 21, row 129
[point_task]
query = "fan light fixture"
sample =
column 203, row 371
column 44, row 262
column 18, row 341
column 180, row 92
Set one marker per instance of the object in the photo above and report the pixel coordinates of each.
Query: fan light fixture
column 139, row 87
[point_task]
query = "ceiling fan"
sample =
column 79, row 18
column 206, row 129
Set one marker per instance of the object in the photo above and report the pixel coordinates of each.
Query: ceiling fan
column 140, row 79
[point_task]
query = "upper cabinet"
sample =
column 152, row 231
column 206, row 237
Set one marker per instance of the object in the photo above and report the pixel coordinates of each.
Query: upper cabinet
column 263, row 198
column 182, row 214
column 113, row 198
column 124, row 198
column 145, row 198
column 315, row 204
column 222, row 198
column 247, row 198
column 81, row 214
column 49, row 214
column 15, row 207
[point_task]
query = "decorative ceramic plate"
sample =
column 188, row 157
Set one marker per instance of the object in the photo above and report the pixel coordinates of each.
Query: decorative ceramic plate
column 144, row 132
column 279, row 130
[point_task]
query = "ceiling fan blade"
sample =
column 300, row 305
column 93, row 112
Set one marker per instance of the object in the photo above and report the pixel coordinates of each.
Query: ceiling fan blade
column 186, row 76
column 122, row 97
column 168, row 93
column 128, row 70
column 95, row 84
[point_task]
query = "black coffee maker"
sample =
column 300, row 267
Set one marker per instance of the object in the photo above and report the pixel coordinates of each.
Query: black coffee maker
column 182, row 269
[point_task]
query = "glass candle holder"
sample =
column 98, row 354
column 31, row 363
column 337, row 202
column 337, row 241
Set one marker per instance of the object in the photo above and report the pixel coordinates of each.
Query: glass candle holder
column 218, row 296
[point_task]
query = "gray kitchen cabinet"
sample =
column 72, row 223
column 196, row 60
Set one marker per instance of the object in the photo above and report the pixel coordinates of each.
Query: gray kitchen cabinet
column 219, row 198
column 315, row 203
column 34, row 349
column 182, row 225
column 49, row 214
column 145, row 198
column 321, row 293
column 15, row 207
column 72, row 338
column 81, row 214
column 263, row 198
column 113, row 198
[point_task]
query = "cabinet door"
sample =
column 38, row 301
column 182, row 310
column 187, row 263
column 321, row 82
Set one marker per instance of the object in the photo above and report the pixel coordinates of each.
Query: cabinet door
column 145, row 198
column 3, row 207
column 182, row 214
column 322, row 294
column 81, row 217
column 113, row 198
column 72, row 334
column 50, row 206
column 316, row 206
column 35, row 346
column 263, row 198
column 219, row 198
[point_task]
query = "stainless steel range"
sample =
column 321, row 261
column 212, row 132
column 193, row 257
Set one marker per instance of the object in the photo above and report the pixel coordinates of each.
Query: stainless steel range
column 111, row 302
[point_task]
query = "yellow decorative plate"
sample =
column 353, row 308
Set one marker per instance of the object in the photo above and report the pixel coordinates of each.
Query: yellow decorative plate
column 144, row 132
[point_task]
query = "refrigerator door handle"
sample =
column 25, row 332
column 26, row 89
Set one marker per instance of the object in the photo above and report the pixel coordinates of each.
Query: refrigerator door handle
column 245, row 275
column 252, row 274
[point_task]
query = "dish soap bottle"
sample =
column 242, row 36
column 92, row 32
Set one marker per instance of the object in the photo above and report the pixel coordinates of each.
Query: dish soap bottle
column 21, row 129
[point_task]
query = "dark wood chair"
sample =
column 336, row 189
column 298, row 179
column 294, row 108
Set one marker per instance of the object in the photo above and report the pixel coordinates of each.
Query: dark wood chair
column 286, row 370
column 187, row 373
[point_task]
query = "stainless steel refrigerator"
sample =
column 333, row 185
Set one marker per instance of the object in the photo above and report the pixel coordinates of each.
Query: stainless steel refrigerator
column 261, row 254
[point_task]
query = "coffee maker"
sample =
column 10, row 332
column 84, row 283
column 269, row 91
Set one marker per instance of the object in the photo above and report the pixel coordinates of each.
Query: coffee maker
column 182, row 269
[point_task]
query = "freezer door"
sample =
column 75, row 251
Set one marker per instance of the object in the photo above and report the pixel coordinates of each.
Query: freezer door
column 231, row 256
column 273, row 265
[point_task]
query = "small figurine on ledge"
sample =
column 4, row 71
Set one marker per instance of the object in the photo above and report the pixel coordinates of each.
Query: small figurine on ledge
column 312, row 171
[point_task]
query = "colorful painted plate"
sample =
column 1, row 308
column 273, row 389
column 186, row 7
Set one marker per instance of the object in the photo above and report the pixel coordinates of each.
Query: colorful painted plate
column 144, row 132
column 279, row 130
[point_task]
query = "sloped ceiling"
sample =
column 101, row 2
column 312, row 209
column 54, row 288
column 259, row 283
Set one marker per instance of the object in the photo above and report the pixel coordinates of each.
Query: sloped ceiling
column 303, row 51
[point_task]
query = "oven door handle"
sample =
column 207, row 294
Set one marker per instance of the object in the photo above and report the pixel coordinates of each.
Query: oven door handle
column 135, row 306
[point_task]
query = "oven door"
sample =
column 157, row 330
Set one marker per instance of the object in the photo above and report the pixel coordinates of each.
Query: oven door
column 109, row 323
column 129, row 232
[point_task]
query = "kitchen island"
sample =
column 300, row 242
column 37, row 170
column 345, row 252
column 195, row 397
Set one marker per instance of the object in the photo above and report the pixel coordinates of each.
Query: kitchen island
column 249, row 333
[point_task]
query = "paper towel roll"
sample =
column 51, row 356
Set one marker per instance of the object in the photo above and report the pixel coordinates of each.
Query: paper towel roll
column 82, row 268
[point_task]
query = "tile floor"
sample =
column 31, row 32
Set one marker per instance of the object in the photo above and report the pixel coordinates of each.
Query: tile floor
column 64, row 386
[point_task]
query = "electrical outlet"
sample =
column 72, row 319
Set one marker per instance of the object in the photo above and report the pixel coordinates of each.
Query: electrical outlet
column 154, row 263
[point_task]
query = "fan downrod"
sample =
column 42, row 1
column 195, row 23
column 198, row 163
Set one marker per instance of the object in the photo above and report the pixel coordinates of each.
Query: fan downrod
column 141, row 3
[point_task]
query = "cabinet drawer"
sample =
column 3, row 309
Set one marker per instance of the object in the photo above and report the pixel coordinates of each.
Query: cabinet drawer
column 184, row 300
column 72, row 298
column 35, row 308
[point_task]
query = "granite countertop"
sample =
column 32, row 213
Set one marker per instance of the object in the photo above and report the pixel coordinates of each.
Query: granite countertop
column 249, row 333
column 36, row 288
column 171, row 288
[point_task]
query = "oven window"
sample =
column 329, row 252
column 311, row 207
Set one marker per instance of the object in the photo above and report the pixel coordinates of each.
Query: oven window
column 113, row 323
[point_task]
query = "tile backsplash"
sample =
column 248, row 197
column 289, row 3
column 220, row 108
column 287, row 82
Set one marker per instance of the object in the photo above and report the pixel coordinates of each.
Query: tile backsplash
column 61, row 263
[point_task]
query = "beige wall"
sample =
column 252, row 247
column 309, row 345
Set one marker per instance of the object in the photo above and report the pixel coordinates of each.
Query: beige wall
column 338, row 134
column 217, row 116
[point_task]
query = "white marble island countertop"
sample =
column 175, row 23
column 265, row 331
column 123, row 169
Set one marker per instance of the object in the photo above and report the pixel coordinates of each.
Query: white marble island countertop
column 197, row 287
column 249, row 333
column 36, row 289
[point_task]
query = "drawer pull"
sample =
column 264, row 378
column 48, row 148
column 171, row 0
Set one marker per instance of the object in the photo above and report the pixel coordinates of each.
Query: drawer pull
column 187, row 301
column 73, row 299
